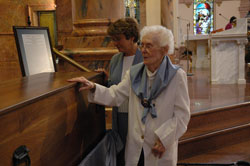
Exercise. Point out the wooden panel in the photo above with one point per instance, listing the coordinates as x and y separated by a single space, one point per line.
97 10
49 116
91 65
87 42
64 16
10 70
101 53
9 63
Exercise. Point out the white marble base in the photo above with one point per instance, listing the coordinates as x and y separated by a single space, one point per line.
224 52
228 55
201 58
227 62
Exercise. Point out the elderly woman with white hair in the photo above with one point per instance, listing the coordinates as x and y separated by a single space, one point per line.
159 105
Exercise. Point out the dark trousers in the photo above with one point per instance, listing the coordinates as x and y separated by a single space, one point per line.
120 158
120 123
141 160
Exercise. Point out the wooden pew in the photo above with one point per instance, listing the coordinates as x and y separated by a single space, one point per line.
51 117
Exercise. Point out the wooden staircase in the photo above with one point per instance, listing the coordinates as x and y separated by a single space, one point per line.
221 135
88 44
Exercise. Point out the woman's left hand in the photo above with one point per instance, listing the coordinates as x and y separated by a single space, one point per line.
158 149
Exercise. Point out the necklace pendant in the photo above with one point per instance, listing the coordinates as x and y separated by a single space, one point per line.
145 103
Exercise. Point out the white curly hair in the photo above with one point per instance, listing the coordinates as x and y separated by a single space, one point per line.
161 35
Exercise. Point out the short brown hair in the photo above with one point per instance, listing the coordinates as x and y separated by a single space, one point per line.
126 26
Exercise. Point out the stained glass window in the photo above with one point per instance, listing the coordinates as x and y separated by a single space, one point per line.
203 16
132 8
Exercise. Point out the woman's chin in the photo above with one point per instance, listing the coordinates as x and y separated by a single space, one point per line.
146 62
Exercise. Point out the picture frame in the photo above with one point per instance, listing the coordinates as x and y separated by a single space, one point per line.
34 50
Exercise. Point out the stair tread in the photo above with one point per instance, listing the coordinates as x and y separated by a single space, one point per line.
215 130
204 132
228 154
218 120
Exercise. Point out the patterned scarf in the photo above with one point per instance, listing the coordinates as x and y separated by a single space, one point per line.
138 76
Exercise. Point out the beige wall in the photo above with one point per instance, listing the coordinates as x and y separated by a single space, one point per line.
228 9
169 12
153 12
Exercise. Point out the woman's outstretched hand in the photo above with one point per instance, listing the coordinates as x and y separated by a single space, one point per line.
85 84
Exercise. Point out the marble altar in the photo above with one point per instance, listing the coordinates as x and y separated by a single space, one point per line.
228 55
222 52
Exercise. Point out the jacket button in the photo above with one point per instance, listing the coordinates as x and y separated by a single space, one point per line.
142 137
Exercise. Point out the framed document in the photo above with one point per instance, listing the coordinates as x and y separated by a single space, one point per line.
34 50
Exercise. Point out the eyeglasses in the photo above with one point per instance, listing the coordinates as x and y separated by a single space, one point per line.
146 46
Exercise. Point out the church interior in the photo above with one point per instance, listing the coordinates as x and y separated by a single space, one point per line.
58 127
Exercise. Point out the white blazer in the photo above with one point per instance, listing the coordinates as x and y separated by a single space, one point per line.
173 114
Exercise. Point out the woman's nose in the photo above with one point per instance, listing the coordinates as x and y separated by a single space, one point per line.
143 49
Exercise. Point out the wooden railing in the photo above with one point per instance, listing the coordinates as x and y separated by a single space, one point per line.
69 60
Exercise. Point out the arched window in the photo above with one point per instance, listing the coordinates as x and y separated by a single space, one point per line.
132 8
203 16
